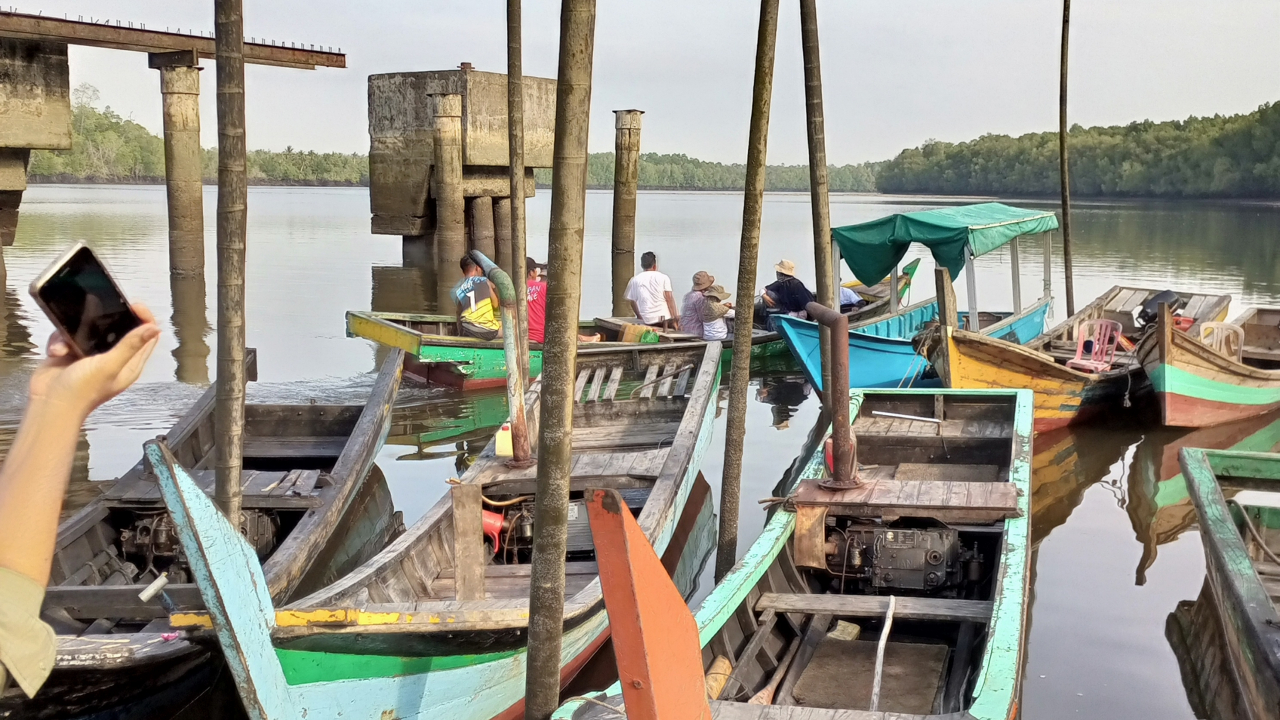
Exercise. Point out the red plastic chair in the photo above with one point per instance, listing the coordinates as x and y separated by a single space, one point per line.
1096 345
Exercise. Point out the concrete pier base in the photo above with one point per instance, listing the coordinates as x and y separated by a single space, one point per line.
13 181
450 206
502 234
480 217
183 161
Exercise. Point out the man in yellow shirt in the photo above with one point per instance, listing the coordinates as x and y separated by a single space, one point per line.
64 390
476 299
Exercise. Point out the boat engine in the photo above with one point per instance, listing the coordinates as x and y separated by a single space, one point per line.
512 531
154 537
1151 309
925 559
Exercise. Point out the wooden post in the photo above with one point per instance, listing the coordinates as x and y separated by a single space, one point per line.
480 217
233 199
515 145
948 319
451 230
893 291
748 260
818 186
183 159
1017 276
502 233
626 176
568 205
973 322
1048 270
468 542
1064 175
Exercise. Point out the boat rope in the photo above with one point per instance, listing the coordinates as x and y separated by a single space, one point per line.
659 379
1127 388
884 641
1254 532
911 370
594 701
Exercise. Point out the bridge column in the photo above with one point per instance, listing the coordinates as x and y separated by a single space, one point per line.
183 159
446 190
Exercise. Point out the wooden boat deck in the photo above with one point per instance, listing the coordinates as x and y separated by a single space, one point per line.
1261 327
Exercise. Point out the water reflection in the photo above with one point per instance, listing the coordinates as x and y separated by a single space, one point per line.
1194 631
191 328
15 332
1065 464
784 395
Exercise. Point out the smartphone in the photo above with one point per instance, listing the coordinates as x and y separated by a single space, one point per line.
84 302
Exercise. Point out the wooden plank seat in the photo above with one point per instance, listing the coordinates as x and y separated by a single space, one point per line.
946 501
639 464
875 606
261 489
512 581
294 447
883 426
89 602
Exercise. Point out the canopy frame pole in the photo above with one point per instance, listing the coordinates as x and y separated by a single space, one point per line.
1017 275
971 285
894 282
1048 269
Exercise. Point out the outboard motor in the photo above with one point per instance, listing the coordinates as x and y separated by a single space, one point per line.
1151 308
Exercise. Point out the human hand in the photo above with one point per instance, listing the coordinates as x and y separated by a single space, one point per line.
80 385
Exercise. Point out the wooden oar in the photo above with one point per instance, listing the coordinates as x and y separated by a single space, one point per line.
765 696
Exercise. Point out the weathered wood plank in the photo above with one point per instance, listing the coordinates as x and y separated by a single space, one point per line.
615 377
468 542
664 387
649 376
597 378
875 606
582 383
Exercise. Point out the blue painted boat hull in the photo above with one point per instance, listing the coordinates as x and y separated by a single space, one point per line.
880 353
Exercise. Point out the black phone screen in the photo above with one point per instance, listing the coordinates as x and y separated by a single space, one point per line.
83 299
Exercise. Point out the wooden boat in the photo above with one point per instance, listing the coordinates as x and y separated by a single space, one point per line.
303 468
952 650
393 638
881 353
1064 395
1240 541
1195 636
1158 505
1198 385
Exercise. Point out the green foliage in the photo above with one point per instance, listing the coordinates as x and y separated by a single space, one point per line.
681 172
1235 156
108 148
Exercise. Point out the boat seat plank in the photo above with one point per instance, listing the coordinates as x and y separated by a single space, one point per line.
668 379
90 602
682 382
622 436
1195 306
875 606
948 472
649 376
615 377
983 501
581 384
1119 299
258 488
293 447
1134 301
597 378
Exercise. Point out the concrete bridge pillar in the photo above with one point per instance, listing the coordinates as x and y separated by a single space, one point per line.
626 176
450 213
480 213
183 159
502 234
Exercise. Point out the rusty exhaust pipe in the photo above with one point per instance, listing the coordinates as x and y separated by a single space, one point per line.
841 452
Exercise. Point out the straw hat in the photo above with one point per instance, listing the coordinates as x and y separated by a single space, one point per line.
718 292
702 280
786 267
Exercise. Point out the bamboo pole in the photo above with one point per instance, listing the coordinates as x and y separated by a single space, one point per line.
818 184
1064 174
564 291
515 141
233 198
748 261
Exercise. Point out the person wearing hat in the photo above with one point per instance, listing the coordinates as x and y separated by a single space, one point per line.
694 302
714 313
787 294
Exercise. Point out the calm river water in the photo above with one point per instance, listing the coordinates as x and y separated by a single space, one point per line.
1116 550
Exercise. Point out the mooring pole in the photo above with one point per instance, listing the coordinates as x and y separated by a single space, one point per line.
1064 174
818 185
451 223
626 176
233 200
515 142
564 290
748 259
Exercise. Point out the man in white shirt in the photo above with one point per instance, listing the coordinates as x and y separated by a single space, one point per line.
650 295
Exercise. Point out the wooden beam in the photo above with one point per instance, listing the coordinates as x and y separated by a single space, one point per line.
89 602
139 39
871 606
468 542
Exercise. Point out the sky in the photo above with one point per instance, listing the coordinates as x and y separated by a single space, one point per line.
895 74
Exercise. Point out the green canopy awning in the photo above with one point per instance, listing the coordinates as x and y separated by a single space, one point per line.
872 249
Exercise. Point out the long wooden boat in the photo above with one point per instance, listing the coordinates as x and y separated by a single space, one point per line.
881 352
941 497
1240 541
1064 395
1198 386
393 638
303 467
1195 636
1158 505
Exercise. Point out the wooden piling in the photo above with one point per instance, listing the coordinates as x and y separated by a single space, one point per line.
233 199
748 259
480 222
515 141
568 204
626 176
818 184
502 234
1064 174
451 230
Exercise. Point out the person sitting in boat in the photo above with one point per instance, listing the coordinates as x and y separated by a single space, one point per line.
714 313
476 300
850 300
536 296
787 294
694 303
650 295
64 389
